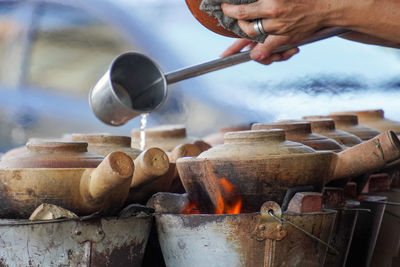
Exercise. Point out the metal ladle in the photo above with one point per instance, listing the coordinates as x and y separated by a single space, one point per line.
134 84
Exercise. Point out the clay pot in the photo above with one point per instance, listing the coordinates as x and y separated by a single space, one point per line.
263 165
326 127
349 123
169 182
40 153
13 152
373 118
151 165
206 20
103 144
298 131
63 174
166 137
218 138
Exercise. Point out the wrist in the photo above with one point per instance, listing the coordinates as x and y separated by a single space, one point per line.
343 13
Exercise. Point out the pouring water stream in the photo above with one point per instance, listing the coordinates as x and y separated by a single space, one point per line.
143 122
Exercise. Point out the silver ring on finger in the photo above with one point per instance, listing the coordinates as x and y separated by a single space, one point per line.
258 27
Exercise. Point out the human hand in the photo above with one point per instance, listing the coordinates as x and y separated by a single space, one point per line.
263 53
281 17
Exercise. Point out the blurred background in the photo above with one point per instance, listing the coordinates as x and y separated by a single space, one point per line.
52 52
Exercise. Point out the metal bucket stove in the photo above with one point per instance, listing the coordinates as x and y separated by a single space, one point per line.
266 238
68 242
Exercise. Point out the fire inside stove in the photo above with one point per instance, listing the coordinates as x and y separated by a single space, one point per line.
228 201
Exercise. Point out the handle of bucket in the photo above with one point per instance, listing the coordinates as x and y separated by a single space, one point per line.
282 220
94 215
391 203
225 62
359 209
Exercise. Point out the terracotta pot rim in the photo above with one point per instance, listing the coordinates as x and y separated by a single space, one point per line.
288 126
369 113
41 169
317 153
102 139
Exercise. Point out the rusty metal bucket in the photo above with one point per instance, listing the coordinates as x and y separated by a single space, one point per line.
249 239
366 231
343 230
387 249
66 242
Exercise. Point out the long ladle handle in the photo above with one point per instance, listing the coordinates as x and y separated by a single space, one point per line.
241 57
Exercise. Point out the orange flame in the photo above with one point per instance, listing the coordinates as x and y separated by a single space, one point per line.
227 201
231 204
190 208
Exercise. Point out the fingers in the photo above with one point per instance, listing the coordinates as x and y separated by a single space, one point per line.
288 54
263 53
236 47
248 27
279 56
243 12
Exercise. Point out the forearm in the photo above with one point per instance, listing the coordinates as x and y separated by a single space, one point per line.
368 39
378 18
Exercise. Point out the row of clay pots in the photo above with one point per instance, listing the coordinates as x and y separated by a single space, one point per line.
374 119
75 175
362 125
261 164
54 165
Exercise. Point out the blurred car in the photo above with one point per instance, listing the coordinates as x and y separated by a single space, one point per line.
52 52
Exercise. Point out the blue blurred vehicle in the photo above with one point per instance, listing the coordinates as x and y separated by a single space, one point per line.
53 51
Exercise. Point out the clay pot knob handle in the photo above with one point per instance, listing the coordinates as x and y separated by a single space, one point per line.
150 164
115 169
203 146
184 150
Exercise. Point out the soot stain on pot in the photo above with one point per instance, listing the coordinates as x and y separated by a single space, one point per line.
240 231
197 220
125 255
7 202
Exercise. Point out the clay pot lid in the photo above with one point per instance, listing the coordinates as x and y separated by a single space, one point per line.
341 120
162 131
251 136
349 123
375 119
322 125
289 126
300 131
166 137
103 139
42 153
217 138
206 20
362 114
327 128
344 119
36 144
255 144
